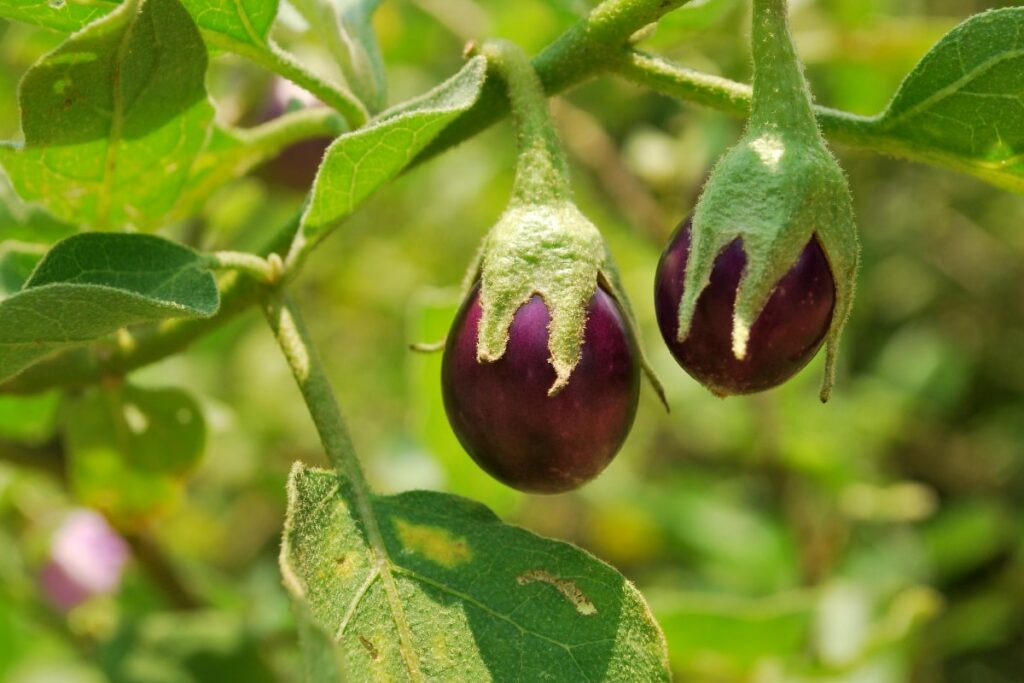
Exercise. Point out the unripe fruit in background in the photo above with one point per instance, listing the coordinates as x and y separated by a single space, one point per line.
295 167
785 336
502 413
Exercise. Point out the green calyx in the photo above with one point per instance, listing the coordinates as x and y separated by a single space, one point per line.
777 189
542 245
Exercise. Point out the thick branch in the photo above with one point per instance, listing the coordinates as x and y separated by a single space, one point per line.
589 48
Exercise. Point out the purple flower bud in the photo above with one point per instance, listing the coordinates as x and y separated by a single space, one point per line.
87 558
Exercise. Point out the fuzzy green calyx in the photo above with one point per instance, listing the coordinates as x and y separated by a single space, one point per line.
542 245
777 189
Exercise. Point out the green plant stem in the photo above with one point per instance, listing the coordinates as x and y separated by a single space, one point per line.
668 78
273 58
261 269
781 101
863 132
160 569
295 126
593 45
542 172
293 338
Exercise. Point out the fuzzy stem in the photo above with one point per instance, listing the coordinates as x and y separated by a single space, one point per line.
542 172
256 267
293 338
782 100
295 343
277 60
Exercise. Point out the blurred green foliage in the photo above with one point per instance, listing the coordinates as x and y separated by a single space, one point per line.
876 539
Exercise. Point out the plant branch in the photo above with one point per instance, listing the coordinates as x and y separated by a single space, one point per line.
159 569
47 458
668 78
266 270
274 58
293 338
592 46
863 132
295 126
295 343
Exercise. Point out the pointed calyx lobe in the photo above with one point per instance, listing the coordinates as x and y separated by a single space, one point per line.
779 195
544 347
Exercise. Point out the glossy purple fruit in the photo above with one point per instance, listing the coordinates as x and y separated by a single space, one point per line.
501 411
783 339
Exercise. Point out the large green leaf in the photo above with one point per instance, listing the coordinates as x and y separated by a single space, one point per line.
964 101
91 285
114 118
359 162
450 593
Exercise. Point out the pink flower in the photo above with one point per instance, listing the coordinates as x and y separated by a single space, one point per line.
87 558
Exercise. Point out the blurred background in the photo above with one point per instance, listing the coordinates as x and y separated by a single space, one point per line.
876 539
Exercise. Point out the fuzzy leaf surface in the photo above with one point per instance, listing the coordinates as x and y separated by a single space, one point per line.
359 162
965 100
114 118
457 595
90 285
247 21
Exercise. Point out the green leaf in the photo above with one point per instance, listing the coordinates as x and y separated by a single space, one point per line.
359 162
128 448
91 285
726 637
29 419
450 593
231 153
114 118
167 432
24 223
17 260
247 21
366 73
321 662
345 27
964 102
61 15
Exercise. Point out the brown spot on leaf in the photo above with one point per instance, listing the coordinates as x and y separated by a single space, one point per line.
566 587
370 648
